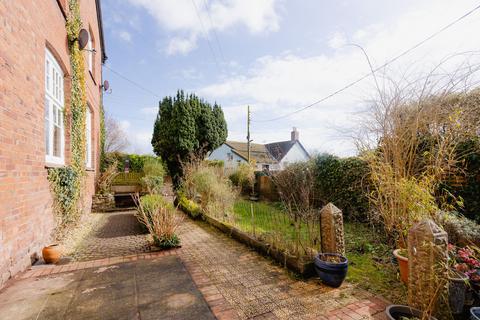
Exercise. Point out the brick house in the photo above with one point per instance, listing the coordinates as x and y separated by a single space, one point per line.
35 81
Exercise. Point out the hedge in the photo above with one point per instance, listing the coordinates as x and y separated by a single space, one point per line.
344 182
136 161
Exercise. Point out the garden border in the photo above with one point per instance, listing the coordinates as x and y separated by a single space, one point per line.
297 265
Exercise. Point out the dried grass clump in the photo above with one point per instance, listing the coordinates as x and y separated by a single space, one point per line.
417 128
210 188
105 178
160 219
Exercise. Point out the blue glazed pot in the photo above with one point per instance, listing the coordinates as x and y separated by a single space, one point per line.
331 273
475 313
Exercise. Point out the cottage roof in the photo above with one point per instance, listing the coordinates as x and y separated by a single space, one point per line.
279 149
258 152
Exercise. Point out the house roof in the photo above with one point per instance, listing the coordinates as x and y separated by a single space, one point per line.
258 152
279 149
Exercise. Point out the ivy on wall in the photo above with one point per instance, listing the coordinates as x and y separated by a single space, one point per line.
67 183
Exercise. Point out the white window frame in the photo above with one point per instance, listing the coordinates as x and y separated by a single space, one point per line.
54 108
90 53
88 138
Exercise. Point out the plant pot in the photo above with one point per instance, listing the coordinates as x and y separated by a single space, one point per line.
51 253
457 287
403 264
397 312
475 313
331 273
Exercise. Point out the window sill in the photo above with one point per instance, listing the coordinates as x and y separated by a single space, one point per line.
49 165
90 169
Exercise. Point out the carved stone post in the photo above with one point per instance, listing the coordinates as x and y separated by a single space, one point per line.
332 235
427 264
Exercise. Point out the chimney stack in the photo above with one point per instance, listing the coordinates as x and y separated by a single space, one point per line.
295 135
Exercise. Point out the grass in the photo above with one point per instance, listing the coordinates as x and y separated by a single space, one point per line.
370 259
370 263
269 222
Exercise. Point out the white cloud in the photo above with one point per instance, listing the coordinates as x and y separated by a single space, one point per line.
337 40
124 125
181 45
190 20
125 36
275 85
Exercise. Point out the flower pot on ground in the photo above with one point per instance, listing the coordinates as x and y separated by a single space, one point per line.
401 312
475 313
457 288
331 268
51 253
402 258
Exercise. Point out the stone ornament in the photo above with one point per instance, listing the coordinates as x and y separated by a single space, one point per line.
332 233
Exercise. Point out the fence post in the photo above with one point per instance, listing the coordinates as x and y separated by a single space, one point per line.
331 229
427 264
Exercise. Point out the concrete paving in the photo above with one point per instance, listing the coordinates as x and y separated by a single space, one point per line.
143 289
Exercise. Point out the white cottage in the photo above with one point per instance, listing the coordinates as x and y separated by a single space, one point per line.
271 156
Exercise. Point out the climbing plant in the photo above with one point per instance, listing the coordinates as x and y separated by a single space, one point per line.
66 183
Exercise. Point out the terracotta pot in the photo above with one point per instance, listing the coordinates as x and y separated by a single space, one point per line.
51 254
403 264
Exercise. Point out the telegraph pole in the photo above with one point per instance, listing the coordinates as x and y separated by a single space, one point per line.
248 134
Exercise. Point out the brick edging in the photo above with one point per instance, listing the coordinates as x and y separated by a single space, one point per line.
219 306
43 270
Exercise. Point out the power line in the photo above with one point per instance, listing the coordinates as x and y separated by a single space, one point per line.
133 82
351 84
206 35
214 32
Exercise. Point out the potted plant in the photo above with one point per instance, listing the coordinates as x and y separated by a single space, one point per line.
51 253
402 258
465 261
401 312
475 313
331 268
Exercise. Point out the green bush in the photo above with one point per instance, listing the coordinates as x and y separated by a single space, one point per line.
154 172
243 177
188 206
137 162
344 182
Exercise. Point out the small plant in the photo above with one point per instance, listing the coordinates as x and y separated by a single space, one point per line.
105 179
154 172
159 217
466 260
243 177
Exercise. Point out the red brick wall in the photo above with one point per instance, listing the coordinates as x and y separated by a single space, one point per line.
26 216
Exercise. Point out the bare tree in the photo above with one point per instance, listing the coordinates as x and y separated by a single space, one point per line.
115 137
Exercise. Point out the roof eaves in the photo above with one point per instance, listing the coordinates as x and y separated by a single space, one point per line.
100 28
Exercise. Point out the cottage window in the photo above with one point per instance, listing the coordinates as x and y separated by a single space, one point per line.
90 52
54 102
88 138
229 156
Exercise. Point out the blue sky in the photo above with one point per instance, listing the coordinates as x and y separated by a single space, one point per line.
276 56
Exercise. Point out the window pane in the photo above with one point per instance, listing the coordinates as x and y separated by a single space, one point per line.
57 141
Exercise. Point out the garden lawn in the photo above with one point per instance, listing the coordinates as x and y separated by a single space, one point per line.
370 259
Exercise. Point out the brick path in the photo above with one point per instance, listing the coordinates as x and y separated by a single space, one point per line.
117 234
245 285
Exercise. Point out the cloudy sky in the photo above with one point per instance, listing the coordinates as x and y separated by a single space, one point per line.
275 55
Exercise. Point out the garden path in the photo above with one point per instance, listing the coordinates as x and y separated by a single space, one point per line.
115 234
256 288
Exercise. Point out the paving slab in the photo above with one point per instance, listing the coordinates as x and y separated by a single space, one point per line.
159 288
